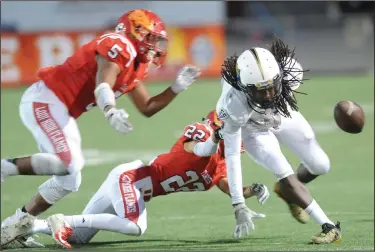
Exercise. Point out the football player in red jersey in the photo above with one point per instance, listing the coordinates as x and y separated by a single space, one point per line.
99 72
196 162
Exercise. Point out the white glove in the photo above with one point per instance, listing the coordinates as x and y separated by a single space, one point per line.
185 77
118 119
261 191
244 220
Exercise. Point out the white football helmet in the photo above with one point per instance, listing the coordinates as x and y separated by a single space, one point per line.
259 76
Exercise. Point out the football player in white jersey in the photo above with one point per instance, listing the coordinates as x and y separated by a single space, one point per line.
256 95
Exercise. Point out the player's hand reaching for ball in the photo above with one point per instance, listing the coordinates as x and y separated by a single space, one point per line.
260 191
244 222
118 119
185 77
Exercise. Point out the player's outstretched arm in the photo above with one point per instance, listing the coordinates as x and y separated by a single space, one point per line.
233 144
232 150
105 98
206 148
150 105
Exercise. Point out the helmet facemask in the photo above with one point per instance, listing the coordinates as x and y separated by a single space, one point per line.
265 94
154 48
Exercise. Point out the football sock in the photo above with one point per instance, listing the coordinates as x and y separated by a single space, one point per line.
108 222
317 213
41 226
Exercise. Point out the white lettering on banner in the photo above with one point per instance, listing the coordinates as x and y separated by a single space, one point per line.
128 195
9 70
51 129
54 50
85 38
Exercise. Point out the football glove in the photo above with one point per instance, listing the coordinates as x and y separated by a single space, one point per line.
219 133
244 222
185 77
261 191
118 119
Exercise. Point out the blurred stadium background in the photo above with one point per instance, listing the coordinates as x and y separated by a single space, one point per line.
335 40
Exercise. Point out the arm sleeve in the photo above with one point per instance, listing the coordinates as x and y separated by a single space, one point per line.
206 148
232 142
116 48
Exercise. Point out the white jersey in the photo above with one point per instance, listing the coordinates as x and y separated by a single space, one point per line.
234 108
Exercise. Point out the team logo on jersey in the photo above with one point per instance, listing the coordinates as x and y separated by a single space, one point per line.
222 114
206 176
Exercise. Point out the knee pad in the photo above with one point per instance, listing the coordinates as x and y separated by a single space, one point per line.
319 165
70 182
52 192
318 162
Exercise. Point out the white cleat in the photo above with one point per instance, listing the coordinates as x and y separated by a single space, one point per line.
16 226
61 230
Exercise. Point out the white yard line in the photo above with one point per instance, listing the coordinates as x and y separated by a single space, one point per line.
96 157
203 216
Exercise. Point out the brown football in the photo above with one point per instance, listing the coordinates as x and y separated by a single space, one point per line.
349 116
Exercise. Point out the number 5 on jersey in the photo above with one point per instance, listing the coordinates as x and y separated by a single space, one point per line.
114 51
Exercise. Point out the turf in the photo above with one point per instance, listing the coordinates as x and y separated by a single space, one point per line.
204 220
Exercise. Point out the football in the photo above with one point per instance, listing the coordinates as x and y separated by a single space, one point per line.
349 116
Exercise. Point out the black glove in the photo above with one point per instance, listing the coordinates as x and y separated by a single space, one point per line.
218 133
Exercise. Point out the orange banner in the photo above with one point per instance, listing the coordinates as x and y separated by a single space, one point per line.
22 55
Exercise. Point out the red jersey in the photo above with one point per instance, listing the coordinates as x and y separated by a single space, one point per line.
74 82
180 171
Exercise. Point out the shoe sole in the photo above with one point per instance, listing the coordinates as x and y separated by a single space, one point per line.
337 241
24 222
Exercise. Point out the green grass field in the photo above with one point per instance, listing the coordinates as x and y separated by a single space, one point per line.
204 220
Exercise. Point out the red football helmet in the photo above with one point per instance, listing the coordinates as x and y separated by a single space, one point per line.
213 121
147 32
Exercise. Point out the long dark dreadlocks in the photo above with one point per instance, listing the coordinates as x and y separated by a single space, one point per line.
289 73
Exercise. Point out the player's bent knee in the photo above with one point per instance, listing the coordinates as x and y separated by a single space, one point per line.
141 230
52 192
319 165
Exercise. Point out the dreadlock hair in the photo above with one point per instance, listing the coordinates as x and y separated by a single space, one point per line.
283 56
